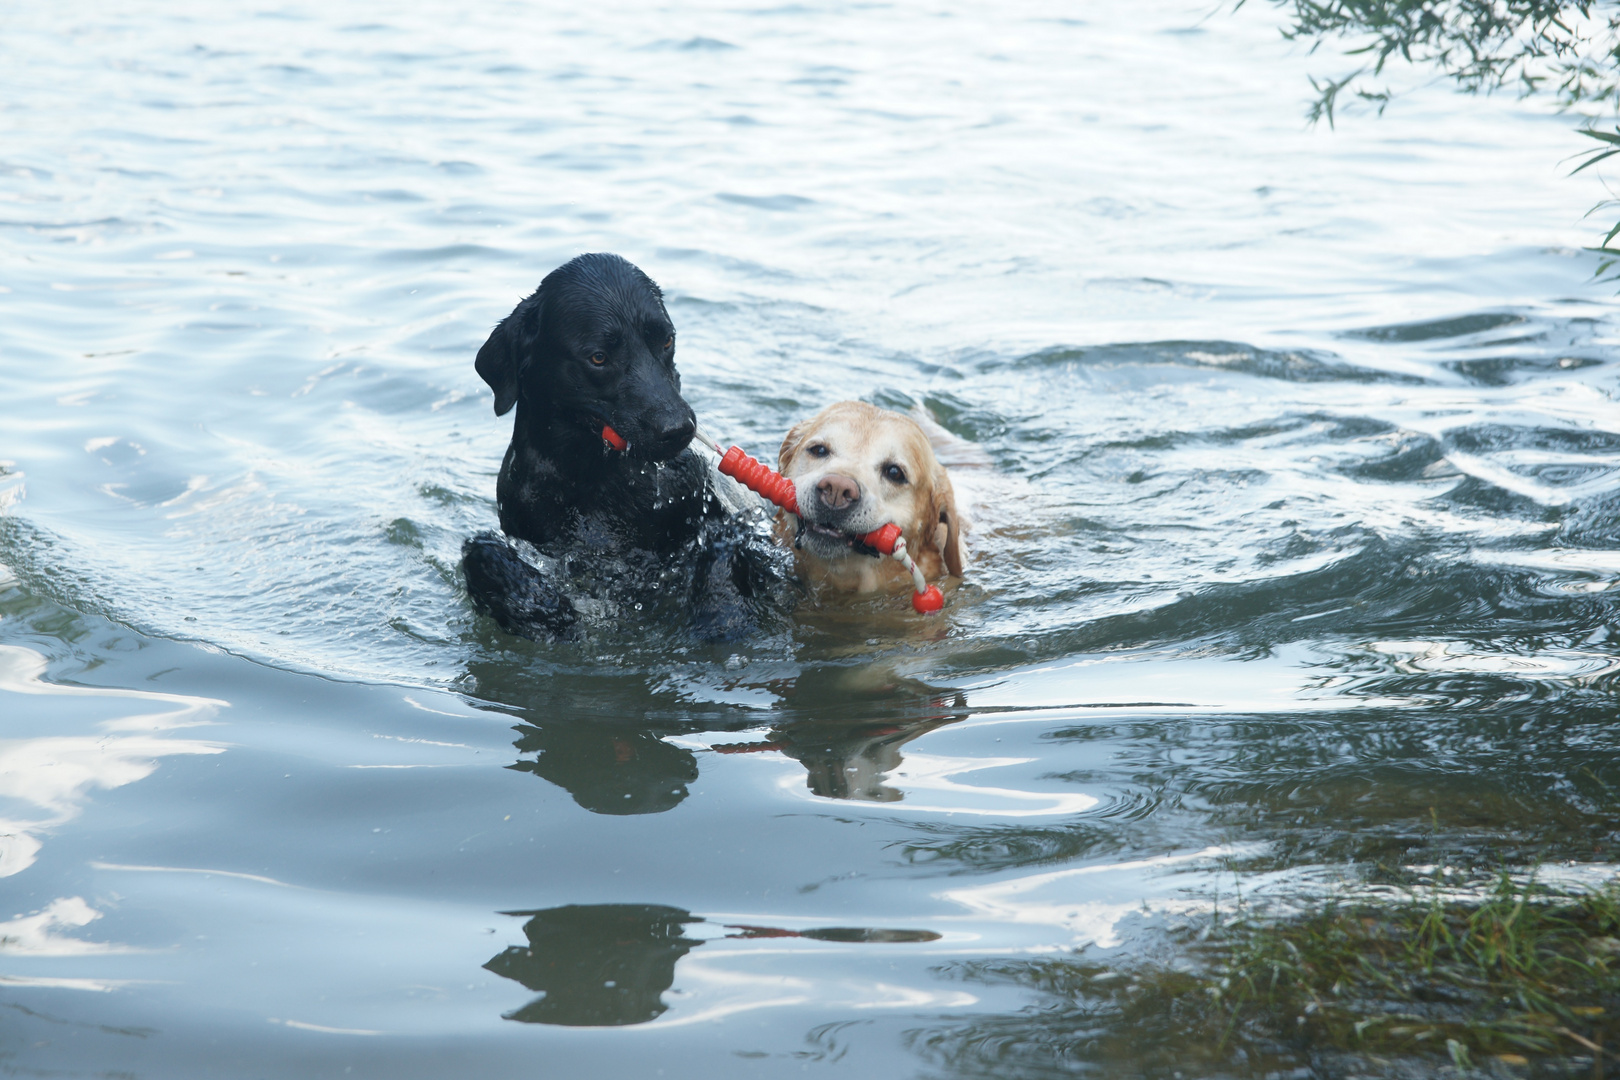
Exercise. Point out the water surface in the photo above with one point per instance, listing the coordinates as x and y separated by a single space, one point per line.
1295 565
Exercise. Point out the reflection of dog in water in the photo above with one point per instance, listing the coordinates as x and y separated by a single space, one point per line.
608 965
628 769
625 769
609 768
622 768
844 760
850 758
599 965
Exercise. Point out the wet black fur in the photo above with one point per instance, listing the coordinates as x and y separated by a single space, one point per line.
594 345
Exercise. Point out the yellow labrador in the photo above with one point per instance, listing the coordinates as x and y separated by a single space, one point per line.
855 468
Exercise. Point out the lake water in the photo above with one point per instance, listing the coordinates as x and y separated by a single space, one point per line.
1300 565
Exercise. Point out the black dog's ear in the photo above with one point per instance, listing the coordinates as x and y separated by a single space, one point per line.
500 361
504 355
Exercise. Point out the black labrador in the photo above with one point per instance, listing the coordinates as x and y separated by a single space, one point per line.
642 528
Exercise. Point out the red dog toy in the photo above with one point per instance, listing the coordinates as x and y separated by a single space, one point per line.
764 480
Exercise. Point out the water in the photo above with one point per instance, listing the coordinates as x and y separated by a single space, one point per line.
1296 565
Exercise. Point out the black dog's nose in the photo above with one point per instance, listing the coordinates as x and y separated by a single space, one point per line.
679 433
838 492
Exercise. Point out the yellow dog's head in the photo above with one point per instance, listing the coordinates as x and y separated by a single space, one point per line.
856 468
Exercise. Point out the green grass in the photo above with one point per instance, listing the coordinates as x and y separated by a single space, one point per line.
1523 977
1512 980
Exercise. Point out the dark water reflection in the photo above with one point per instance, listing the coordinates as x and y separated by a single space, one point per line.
607 965
1493 774
609 768
842 760
1508 775
599 966
607 740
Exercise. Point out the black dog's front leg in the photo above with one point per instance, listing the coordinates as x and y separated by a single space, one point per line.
514 593
720 611
732 586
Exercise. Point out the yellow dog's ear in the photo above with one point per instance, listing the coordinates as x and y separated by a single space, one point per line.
948 530
791 443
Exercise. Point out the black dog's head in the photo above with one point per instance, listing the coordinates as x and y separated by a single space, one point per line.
592 346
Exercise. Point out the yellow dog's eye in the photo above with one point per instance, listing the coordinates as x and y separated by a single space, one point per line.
818 451
894 474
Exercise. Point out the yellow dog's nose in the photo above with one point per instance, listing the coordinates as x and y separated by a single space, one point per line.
838 492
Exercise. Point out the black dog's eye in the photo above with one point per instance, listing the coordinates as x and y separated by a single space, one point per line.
818 451
598 358
894 474
669 343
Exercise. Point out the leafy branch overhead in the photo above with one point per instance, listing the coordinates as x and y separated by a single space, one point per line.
1568 50
1609 145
